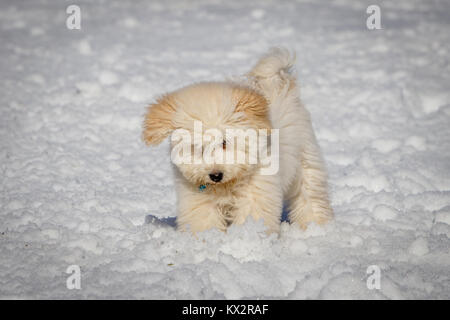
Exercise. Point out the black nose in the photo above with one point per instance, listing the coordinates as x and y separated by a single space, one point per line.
216 176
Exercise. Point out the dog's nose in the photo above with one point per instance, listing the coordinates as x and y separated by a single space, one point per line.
216 176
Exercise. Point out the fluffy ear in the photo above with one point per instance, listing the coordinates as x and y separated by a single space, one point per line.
158 120
254 105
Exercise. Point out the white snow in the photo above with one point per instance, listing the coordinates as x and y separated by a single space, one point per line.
78 186
383 212
419 247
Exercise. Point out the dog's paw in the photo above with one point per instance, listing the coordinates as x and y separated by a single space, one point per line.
305 218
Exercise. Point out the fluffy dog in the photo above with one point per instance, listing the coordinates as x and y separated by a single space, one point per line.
215 195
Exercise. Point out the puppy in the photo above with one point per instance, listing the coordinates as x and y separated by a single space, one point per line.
216 194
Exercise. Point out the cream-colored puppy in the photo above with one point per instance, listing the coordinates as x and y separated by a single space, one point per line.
217 194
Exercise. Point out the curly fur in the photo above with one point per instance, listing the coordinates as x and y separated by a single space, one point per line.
267 99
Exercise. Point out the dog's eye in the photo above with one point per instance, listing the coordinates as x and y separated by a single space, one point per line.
224 144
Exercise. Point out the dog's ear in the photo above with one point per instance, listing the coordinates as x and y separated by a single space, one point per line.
253 104
158 122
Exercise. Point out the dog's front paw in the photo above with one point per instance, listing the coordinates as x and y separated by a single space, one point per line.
305 217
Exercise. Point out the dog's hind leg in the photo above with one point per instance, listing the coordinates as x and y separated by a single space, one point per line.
303 175
308 195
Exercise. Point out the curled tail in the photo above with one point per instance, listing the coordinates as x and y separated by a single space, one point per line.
272 74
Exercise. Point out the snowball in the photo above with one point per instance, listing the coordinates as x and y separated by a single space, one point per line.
384 213
108 78
419 247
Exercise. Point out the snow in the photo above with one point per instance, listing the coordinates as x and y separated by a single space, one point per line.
419 247
78 186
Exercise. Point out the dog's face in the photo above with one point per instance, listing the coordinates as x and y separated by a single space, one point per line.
207 121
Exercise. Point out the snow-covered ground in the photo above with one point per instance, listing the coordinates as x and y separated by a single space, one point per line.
77 183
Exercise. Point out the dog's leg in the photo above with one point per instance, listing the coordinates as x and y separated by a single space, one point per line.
262 198
198 212
308 195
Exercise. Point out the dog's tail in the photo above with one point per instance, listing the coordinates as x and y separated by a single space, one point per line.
272 74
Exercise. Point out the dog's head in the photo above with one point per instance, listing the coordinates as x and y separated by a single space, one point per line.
207 122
